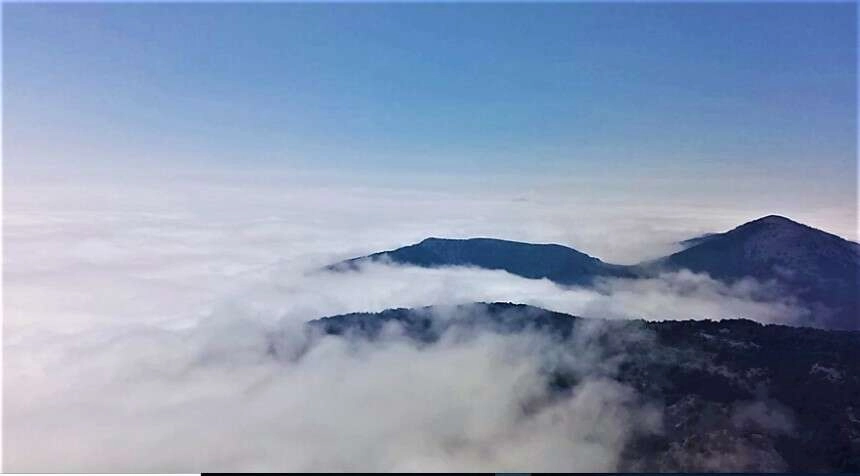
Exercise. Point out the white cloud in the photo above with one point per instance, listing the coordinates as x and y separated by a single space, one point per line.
136 319
211 397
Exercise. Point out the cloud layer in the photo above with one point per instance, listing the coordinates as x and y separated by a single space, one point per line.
137 320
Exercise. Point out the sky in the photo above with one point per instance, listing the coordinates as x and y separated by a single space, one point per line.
750 95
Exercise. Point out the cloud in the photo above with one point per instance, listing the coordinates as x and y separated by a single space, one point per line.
170 250
676 295
688 295
212 397
138 320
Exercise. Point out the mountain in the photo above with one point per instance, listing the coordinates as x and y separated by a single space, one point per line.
735 395
821 270
557 263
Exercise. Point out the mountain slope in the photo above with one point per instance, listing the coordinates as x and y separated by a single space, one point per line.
735 395
698 240
557 263
820 269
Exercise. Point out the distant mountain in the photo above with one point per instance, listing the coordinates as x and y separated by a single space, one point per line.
736 395
820 269
557 263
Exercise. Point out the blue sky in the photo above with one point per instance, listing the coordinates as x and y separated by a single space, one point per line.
674 91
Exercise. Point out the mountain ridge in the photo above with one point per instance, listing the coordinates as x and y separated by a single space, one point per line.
820 268
555 262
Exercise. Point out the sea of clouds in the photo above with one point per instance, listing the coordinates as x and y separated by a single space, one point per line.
139 315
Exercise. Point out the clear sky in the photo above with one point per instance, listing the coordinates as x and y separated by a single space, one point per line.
686 92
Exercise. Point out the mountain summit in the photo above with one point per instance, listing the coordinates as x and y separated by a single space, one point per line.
756 248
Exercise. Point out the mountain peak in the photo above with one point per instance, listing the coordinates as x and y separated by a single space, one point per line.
775 220
776 230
